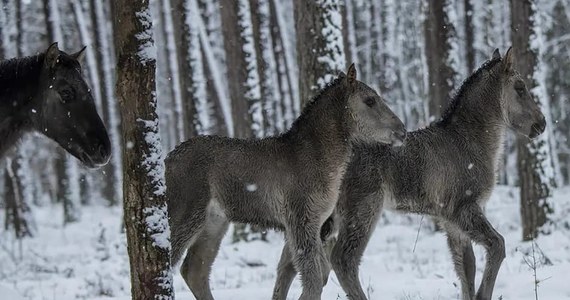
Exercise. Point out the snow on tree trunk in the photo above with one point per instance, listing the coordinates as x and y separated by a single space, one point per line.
198 89
251 82
350 33
271 97
72 194
320 46
114 178
441 49
18 213
173 70
145 213
284 111
536 172
290 62
89 55
242 74
557 77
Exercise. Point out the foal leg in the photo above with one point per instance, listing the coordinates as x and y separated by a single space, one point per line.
463 259
308 255
285 274
471 220
353 236
286 269
197 265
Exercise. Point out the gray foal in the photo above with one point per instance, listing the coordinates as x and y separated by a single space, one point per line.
289 182
447 170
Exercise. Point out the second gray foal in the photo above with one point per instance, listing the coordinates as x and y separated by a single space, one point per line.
447 171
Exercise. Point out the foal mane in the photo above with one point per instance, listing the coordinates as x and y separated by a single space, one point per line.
455 99
310 106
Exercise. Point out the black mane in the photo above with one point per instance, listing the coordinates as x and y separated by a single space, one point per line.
23 68
460 93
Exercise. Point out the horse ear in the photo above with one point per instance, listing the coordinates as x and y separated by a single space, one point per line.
496 54
52 55
341 74
509 60
351 75
79 55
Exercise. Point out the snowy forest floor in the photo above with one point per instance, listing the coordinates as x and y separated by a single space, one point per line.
88 260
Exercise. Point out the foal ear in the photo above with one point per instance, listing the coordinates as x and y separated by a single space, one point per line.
509 60
79 55
351 75
496 54
52 55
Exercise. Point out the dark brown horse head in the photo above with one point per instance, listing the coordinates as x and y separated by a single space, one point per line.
65 110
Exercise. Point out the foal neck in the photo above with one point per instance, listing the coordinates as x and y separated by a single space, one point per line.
19 78
323 126
475 118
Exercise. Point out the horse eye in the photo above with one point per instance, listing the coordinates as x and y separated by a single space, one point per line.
519 90
369 101
66 95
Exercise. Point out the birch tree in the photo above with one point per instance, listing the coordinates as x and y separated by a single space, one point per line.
145 213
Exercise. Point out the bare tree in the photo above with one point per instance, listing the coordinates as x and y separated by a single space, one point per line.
317 24
439 32
145 214
534 157
243 75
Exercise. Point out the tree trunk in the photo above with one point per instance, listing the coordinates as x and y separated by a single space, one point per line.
18 214
145 214
113 179
320 46
469 35
241 59
438 34
533 156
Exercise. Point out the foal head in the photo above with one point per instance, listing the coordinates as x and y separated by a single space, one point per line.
65 111
518 108
372 120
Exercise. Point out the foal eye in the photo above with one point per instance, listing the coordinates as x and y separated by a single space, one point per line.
66 95
369 101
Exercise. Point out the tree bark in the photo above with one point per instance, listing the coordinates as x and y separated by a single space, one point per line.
469 36
320 52
145 214
242 68
438 30
17 208
534 184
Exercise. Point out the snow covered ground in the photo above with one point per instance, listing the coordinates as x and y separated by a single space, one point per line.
88 260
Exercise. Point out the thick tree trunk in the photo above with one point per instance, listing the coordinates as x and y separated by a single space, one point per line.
242 75
438 30
320 46
145 214
534 182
